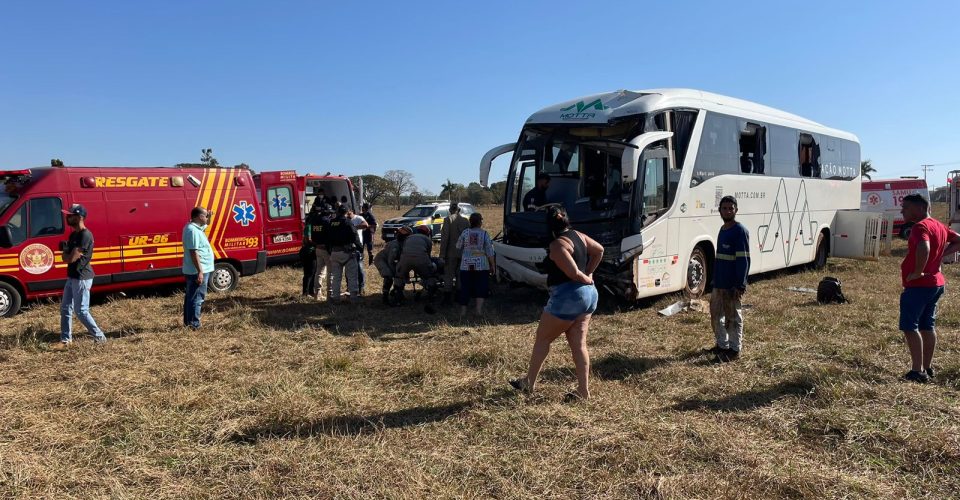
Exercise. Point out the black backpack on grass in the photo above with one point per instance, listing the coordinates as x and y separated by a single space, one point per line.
829 292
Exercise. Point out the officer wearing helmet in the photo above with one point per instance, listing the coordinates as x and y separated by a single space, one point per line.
415 256
386 260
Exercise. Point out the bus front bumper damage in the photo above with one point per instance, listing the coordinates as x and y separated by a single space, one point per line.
520 265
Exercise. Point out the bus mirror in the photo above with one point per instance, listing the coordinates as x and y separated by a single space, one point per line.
6 237
630 161
487 161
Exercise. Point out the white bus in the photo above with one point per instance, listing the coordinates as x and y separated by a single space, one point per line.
642 173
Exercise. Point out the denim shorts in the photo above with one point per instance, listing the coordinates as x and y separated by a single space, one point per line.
918 308
571 300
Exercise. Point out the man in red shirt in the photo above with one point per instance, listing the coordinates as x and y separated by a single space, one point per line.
923 283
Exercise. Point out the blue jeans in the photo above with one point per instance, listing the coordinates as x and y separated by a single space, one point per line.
193 299
76 297
361 272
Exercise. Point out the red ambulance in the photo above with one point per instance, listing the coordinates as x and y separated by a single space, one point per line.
886 196
137 217
285 199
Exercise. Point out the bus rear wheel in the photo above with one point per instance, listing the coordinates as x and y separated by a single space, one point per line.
223 278
697 273
820 259
9 300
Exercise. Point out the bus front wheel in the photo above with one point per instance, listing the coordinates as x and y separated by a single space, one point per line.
697 273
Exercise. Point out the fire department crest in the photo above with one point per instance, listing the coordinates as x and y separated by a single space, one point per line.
36 258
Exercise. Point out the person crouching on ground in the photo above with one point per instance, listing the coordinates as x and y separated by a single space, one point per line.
923 283
570 263
415 256
386 261
477 264
729 282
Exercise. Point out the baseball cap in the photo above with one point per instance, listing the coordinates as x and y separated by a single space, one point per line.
76 209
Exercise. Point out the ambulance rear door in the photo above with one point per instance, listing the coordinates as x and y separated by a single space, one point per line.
283 224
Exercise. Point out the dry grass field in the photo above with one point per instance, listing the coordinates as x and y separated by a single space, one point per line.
283 397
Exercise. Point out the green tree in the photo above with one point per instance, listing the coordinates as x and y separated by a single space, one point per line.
866 169
374 187
498 191
452 191
416 197
207 158
477 195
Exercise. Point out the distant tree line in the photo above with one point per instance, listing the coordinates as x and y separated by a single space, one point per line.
398 188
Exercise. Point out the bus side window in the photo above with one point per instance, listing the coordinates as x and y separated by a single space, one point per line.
753 148
809 152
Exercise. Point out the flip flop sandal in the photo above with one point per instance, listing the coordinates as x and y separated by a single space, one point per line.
521 385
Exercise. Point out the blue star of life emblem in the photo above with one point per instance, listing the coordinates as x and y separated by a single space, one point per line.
280 202
244 213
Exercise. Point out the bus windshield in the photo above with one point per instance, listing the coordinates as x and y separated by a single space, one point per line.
584 169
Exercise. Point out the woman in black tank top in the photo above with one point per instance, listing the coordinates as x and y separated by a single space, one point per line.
555 276
571 260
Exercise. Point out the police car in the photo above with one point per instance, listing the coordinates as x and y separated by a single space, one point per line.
425 213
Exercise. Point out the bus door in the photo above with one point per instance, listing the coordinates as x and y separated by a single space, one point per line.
659 265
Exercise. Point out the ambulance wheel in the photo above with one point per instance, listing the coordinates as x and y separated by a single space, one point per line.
820 259
9 300
697 273
223 278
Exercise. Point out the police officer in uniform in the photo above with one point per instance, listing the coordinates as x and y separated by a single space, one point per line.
319 222
343 243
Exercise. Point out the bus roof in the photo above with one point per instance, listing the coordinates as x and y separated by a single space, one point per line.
603 107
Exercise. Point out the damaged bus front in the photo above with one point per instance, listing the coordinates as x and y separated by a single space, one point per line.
606 165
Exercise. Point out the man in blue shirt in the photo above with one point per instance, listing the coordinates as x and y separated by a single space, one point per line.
197 265
729 282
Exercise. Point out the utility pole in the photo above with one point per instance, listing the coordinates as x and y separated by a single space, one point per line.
926 168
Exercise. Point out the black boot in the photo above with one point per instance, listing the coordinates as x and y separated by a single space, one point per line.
387 285
398 298
447 299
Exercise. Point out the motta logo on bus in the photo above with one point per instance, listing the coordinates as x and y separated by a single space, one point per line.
581 106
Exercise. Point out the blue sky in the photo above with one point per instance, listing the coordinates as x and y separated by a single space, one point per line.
363 87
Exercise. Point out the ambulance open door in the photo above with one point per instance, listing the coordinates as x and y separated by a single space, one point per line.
861 235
